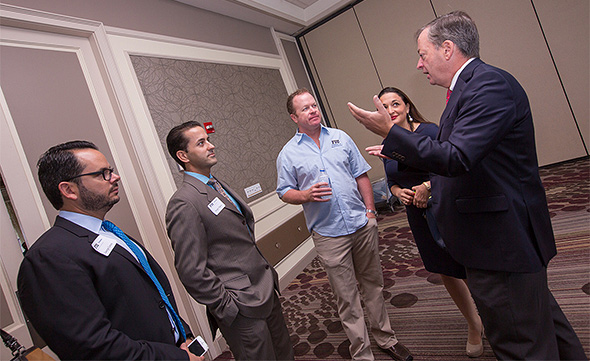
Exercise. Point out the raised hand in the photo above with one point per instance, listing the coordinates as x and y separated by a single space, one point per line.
378 122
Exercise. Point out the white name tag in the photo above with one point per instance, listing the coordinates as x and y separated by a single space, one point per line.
216 206
103 245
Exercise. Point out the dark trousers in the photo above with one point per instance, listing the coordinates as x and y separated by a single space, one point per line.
522 320
259 338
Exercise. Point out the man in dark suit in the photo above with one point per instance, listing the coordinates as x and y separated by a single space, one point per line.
212 233
487 195
83 288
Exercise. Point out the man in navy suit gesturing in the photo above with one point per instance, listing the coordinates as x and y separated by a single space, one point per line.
487 196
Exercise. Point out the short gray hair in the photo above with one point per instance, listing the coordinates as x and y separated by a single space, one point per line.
457 27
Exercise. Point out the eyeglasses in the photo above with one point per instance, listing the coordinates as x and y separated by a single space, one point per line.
106 173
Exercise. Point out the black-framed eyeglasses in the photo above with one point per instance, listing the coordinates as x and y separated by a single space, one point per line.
106 173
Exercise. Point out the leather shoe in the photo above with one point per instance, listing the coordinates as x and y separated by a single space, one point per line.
399 352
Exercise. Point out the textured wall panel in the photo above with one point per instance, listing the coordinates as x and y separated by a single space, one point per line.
246 105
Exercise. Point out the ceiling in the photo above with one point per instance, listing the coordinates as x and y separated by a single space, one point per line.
286 16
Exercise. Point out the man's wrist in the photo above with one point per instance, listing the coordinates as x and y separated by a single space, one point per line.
372 211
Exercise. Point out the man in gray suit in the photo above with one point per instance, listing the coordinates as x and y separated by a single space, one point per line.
212 233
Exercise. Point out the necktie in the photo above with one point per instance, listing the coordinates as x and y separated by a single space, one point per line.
111 227
215 183
449 92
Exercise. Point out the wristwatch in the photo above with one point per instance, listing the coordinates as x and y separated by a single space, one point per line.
372 211
426 185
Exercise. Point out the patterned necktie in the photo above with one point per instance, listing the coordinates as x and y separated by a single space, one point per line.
449 92
111 227
215 183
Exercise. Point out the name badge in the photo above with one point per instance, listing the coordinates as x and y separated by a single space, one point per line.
336 143
216 206
103 245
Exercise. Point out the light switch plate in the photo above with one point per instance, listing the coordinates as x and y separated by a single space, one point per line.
253 190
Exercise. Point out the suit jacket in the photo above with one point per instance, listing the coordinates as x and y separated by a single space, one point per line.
89 306
488 199
216 255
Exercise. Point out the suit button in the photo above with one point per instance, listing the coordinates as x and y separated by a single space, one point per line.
244 222
161 304
267 266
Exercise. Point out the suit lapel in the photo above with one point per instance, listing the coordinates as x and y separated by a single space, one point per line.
123 252
464 77
211 193
89 236
246 212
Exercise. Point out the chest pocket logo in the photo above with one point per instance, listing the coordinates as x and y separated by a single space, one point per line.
336 143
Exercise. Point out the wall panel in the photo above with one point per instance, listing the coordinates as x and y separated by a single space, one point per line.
292 54
50 103
244 103
566 27
511 39
389 27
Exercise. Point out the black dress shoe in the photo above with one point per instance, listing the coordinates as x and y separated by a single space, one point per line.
399 352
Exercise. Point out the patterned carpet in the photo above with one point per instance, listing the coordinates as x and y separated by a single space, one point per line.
422 313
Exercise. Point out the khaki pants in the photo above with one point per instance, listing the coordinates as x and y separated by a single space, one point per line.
348 260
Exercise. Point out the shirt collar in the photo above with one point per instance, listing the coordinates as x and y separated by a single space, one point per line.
92 224
199 176
454 81
299 135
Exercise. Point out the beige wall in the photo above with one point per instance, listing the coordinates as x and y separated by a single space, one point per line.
50 103
566 26
296 65
165 17
372 45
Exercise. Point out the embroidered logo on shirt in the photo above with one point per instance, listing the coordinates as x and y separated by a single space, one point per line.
336 143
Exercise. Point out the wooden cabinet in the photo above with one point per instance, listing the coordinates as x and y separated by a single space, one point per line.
277 244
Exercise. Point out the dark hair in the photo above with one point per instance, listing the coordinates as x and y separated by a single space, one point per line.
177 141
457 27
414 113
297 92
58 164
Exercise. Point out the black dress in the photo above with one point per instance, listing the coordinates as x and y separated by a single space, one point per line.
435 258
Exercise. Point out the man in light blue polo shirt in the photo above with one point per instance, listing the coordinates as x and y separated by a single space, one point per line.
341 217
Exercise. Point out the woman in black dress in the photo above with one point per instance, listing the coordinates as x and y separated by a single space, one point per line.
412 187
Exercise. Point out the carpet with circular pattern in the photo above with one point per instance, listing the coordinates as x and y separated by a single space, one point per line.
422 313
